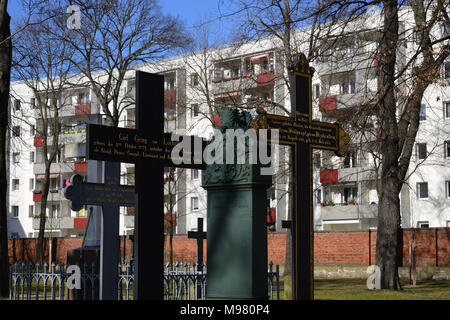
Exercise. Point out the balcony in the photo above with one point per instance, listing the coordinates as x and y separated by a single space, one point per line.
245 82
61 223
352 61
349 212
170 96
265 79
67 136
53 195
70 110
61 167
340 105
356 174
328 176
82 109
37 196
38 141
81 166
345 175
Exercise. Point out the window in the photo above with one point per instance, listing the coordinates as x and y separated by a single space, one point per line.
55 211
54 185
33 103
350 159
31 184
194 110
423 224
447 110
447 149
316 91
422 190
423 112
16 157
318 196
194 174
350 194
32 130
31 156
31 211
447 70
194 79
447 189
82 97
421 151
15 184
16 131
16 105
194 203
15 211
446 31
348 86
317 160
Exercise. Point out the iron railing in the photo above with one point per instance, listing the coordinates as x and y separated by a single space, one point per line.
182 281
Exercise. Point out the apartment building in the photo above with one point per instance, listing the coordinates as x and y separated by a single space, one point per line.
247 76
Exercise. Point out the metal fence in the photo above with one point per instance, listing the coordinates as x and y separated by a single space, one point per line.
182 281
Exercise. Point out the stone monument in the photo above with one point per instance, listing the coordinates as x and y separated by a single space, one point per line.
236 222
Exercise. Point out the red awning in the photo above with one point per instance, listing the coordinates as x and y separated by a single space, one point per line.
256 58
52 175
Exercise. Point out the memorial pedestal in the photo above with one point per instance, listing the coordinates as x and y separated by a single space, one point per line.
237 230
80 257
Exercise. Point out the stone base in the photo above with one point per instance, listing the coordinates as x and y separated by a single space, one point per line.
80 256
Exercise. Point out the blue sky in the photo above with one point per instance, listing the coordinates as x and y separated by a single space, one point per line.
190 12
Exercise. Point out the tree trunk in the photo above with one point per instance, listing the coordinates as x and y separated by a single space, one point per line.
388 233
5 68
42 217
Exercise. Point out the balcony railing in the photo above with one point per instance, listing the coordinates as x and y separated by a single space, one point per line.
82 109
70 110
61 223
349 212
81 166
329 175
265 79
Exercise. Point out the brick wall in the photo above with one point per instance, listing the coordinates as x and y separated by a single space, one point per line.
432 247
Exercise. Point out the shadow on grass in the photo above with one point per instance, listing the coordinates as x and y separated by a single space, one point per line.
356 289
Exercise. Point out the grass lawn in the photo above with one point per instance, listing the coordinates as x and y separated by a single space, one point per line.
356 289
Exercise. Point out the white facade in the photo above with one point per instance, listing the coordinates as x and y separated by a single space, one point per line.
237 75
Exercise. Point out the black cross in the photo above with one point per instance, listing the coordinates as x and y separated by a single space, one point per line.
302 134
200 235
150 149
110 195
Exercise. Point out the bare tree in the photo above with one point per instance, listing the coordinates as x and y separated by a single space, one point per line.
113 39
42 63
5 68
320 30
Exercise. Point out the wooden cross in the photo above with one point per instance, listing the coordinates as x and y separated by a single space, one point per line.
200 235
110 195
150 149
302 134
